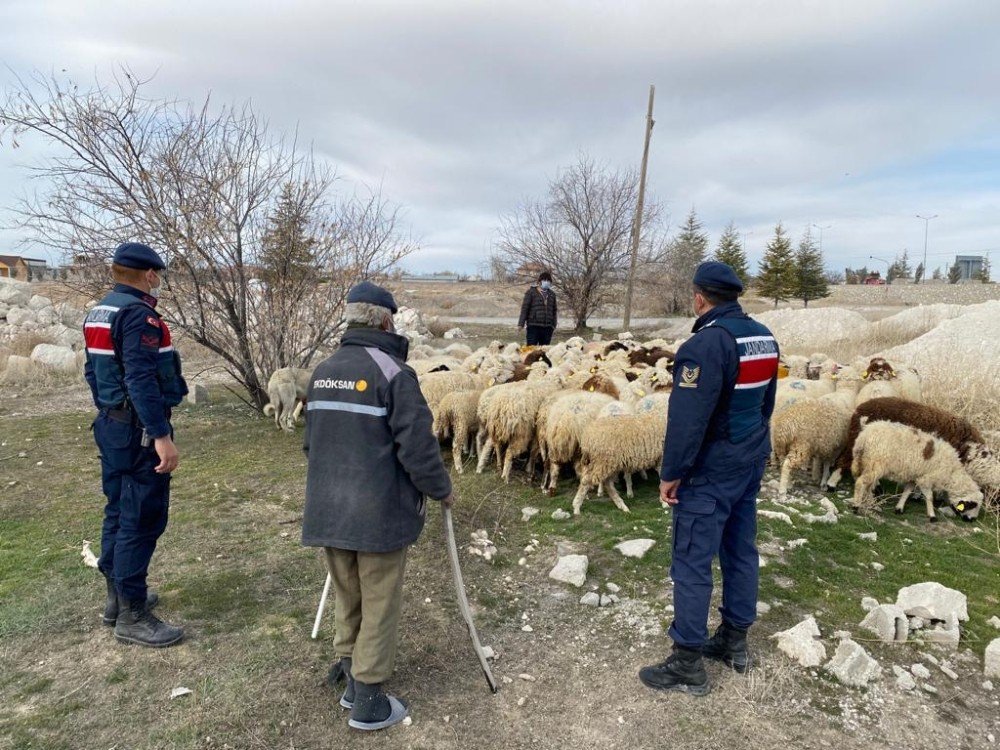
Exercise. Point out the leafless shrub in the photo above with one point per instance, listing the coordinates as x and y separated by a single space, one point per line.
205 186
438 326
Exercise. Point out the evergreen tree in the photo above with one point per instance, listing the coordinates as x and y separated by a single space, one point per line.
938 274
287 254
918 275
984 272
685 252
954 273
731 252
810 277
776 279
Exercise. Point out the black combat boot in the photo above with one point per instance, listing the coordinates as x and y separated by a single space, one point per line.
728 645
111 605
341 670
373 709
136 624
683 671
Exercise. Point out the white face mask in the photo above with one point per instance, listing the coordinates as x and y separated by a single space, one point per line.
546 285
154 291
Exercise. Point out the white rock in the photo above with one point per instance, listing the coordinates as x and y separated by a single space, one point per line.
19 369
56 358
947 634
177 692
763 608
526 677
878 566
870 536
795 543
988 686
591 599
852 665
38 302
800 644
489 653
938 600
527 629
614 588
560 515
841 635
606 600
571 569
868 603
454 333
888 622
920 671
904 681
991 659
994 621
776 515
929 689
408 721
948 671
636 548
21 316
14 293
528 513
613 598
916 623
522 700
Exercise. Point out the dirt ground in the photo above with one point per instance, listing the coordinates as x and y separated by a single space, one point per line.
231 570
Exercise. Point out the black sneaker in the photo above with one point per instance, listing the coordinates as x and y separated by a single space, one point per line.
136 624
729 645
683 671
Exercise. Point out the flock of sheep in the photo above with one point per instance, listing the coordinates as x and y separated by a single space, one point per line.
600 409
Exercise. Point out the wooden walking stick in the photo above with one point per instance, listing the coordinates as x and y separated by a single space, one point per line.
322 605
463 600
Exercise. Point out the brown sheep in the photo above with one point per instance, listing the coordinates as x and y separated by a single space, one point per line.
537 355
878 369
945 425
601 384
650 356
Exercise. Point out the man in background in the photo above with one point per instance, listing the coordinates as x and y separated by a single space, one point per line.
539 312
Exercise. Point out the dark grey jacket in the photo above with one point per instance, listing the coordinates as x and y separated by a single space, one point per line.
372 454
539 308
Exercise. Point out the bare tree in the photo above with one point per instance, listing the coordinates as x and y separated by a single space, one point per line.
202 185
580 232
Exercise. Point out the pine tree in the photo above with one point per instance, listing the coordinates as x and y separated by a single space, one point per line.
731 252
685 252
287 249
984 272
810 277
918 275
938 274
954 273
776 279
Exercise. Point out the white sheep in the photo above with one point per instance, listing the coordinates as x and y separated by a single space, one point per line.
887 450
610 446
457 415
809 433
509 420
560 427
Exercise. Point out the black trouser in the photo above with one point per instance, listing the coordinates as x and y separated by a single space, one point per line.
539 335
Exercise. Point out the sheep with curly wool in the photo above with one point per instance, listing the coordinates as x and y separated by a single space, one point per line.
610 446
914 458
566 418
509 420
808 433
457 414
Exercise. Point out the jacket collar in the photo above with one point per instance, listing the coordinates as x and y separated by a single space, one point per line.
392 344
149 299
726 310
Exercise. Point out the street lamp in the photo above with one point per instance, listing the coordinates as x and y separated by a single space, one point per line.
927 221
888 267
828 226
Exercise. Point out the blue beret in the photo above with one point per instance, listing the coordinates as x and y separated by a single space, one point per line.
137 255
717 275
373 294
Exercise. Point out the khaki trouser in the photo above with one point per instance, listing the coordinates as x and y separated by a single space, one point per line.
368 587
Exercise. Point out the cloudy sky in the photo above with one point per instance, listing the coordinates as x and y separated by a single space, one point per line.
855 115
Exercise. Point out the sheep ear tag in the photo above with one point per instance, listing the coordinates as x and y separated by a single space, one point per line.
689 376
960 507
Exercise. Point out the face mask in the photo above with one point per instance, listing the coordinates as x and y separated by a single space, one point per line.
154 291
546 285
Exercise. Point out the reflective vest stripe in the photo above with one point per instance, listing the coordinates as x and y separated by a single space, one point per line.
373 411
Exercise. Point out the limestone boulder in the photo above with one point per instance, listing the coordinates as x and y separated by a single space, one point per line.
21 316
38 302
14 293
852 665
888 622
934 601
800 643
571 569
54 358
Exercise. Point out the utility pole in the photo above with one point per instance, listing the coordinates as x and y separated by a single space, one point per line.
637 222
828 226
927 221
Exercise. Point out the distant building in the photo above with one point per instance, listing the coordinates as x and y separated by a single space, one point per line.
971 266
444 276
22 268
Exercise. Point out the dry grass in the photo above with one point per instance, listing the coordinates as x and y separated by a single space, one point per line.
438 326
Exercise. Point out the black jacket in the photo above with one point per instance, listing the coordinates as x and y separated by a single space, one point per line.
539 308
372 454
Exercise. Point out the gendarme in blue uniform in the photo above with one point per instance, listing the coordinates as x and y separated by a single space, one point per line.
717 442
135 378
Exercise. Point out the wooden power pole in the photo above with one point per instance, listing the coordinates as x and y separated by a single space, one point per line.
637 222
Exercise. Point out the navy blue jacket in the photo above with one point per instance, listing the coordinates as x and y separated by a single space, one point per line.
725 380
373 457
131 360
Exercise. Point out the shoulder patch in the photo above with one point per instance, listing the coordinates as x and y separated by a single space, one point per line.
689 376
152 320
